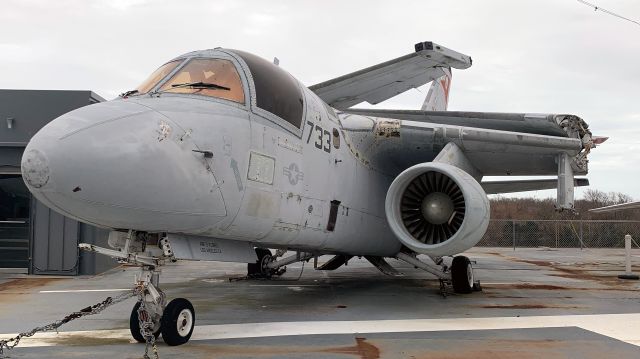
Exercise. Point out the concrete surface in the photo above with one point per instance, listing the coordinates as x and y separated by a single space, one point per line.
565 303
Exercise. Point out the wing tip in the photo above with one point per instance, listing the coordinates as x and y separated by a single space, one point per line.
425 45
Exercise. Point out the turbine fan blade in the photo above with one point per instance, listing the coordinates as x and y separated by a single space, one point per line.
411 208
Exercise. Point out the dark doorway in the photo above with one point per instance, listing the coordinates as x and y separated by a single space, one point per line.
14 222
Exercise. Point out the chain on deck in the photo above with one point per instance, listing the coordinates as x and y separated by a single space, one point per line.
146 324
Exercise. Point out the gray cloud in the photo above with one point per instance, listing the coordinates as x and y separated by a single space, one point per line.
529 56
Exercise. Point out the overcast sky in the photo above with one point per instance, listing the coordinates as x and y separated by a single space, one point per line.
551 56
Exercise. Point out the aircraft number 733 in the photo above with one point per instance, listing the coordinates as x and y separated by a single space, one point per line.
221 155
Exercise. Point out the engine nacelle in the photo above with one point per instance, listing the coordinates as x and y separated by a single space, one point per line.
437 209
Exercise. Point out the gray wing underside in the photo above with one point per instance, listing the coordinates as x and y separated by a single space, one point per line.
511 186
388 79
394 145
496 152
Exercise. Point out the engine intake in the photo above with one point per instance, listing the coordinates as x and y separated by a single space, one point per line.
437 209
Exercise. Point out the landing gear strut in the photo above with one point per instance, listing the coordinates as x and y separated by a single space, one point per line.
151 315
259 269
459 276
269 265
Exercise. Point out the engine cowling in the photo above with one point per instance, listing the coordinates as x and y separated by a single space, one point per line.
437 209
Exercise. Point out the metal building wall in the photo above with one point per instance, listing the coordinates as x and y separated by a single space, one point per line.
53 239
54 242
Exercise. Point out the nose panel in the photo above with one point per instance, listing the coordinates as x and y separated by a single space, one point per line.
123 167
36 168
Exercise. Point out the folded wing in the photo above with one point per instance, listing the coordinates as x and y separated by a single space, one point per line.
394 145
388 79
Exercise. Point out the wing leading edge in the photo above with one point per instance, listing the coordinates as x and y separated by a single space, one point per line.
385 80
616 207
540 124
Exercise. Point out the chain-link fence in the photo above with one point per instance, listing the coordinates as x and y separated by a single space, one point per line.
558 233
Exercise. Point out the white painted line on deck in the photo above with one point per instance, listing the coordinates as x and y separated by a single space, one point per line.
84 290
289 285
624 327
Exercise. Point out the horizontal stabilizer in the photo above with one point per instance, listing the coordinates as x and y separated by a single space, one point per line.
616 207
383 81
494 187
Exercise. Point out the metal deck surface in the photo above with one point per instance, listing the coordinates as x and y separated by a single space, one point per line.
565 303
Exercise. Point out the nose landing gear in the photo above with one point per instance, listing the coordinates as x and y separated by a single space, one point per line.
151 315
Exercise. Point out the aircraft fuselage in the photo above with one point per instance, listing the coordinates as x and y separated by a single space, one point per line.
194 164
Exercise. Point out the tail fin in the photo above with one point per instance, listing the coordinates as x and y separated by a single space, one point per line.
438 95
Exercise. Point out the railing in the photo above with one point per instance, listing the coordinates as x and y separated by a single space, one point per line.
558 233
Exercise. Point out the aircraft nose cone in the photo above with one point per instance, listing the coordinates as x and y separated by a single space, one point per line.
123 165
35 168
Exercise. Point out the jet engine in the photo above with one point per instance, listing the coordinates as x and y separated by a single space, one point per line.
437 209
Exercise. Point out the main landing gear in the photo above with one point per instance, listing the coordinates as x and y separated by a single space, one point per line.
151 315
459 276
268 265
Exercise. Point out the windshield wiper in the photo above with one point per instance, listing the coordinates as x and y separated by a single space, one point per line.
128 93
201 85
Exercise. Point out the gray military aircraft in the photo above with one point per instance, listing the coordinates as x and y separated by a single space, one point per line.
220 155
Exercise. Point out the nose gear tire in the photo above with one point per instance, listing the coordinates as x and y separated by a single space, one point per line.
134 325
178 321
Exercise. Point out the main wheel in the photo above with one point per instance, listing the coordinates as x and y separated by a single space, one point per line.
255 269
462 275
134 325
178 321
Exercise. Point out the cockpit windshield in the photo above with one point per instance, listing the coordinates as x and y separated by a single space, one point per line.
156 76
209 77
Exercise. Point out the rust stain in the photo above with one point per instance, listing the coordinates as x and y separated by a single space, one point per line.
525 306
15 290
362 350
84 340
527 286
573 273
24 285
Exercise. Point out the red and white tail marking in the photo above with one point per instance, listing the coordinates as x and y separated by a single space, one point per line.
438 96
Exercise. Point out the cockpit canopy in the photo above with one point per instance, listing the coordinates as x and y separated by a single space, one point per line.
198 76
200 73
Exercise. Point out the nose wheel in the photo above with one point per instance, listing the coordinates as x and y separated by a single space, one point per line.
150 318
177 322
138 317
